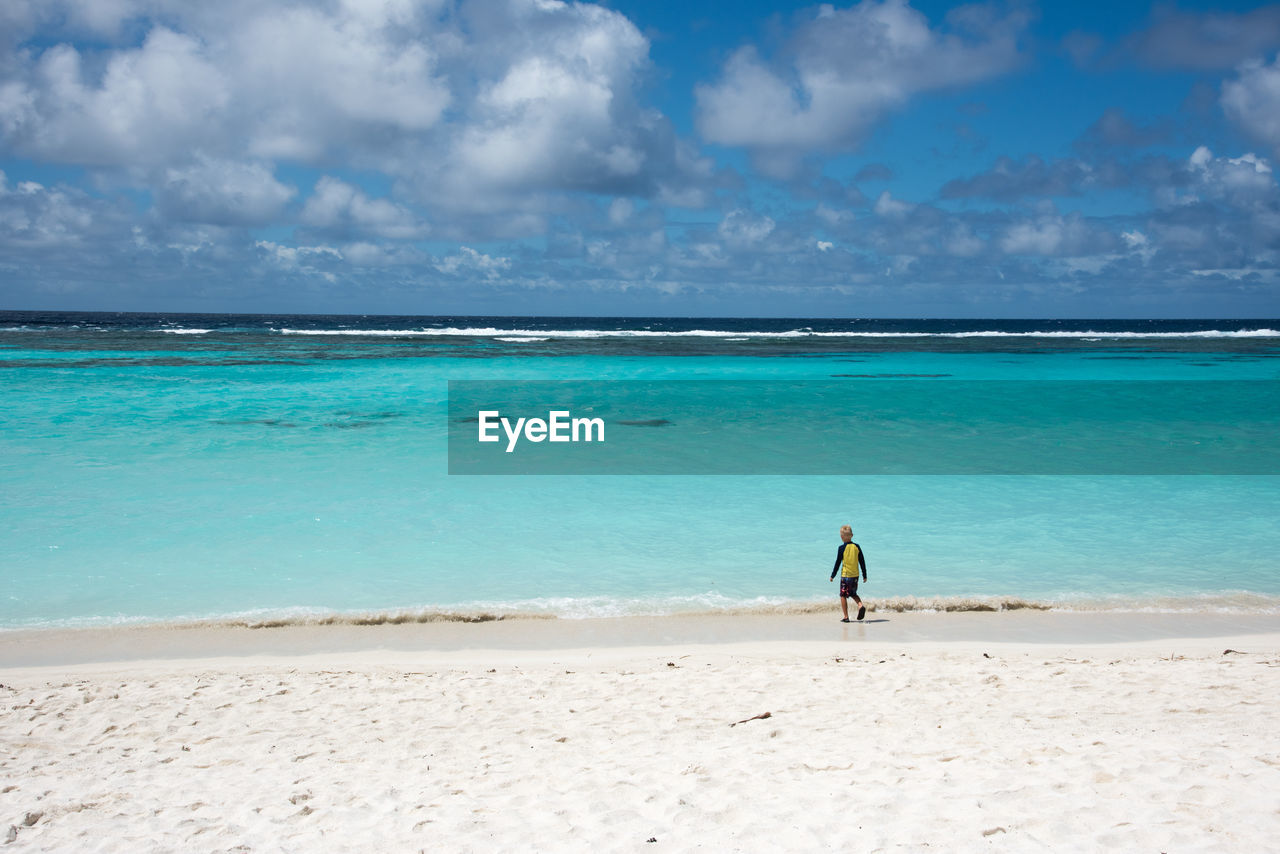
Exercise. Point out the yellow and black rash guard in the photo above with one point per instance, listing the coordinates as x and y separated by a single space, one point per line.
849 560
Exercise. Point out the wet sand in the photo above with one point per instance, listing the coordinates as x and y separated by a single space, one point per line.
70 647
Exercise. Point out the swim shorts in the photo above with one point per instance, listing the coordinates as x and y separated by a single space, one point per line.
849 587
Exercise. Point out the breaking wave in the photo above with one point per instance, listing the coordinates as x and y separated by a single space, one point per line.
707 605
741 335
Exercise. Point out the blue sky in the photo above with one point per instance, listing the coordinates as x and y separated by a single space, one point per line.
537 157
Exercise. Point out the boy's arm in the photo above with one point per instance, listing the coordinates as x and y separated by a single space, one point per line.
862 562
839 558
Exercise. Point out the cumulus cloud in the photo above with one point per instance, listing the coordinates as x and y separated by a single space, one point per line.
33 216
1240 181
1139 244
1252 100
362 253
891 208
842 70
1134 239
336 79
222 192
147 104
621 211
279 81
744 227
478 121
1051 234
962 242
319 261
294 256
499 110
554 109
468 260
555 101
338 207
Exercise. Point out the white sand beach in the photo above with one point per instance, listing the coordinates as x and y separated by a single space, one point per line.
1014 732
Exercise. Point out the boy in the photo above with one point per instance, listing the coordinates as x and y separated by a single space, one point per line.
849 560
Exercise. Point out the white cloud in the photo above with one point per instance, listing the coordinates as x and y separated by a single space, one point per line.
832 216
365 254
1134 239
1049 234
888 206
555 110
621 211
683 197
843 70
33 216
263 80
335 79
1038 238
963 243
1234 273
222 192
296 256
1139 244
496 120
743 227
148 104
1253 101
469 260
338 206
497 113
1240 181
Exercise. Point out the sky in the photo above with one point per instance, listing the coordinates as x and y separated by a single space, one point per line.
516 157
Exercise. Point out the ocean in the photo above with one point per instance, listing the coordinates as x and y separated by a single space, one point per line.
161 468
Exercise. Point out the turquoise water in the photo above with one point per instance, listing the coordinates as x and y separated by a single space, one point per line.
245 472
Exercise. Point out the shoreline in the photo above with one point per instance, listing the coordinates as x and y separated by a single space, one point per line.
534 638
1225 603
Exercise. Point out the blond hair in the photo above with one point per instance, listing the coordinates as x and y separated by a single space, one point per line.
845 529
